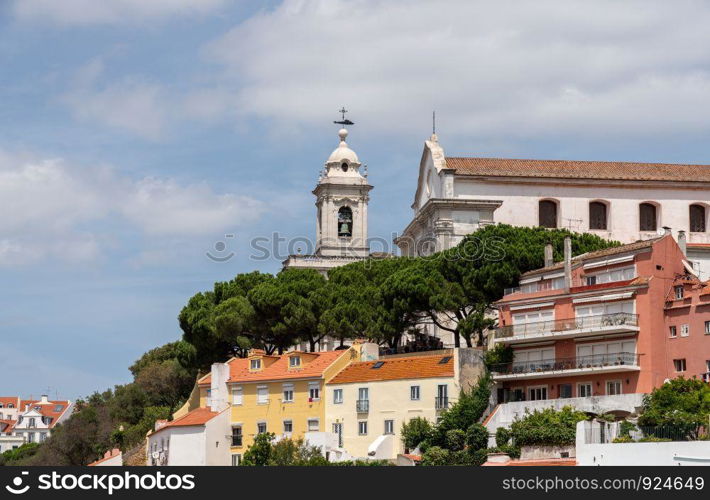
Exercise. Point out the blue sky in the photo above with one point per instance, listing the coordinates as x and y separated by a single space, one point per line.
135 135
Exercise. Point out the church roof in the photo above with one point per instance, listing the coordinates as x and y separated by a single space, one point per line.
572 169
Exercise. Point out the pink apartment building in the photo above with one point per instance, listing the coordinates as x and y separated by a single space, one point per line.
603 328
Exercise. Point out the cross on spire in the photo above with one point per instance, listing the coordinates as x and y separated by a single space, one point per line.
343 121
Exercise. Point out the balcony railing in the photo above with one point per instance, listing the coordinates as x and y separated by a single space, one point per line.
362 405
561 325
441 403
236 439
579 362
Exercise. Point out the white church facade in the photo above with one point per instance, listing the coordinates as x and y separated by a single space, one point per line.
615 200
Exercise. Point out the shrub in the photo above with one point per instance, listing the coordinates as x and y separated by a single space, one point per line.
499 355
455 440
477 437
259 452
623 439
547 427
625 428
679 402
503 436
415 432
362 463
509 449
436 456
653 439
466 411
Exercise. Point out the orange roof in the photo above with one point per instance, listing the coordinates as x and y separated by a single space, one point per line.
6 426
279 369
51 409
199 416
396 369
566 169
15 401
559 462
107 456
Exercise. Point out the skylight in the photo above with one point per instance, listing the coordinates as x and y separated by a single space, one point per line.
444 360
378 365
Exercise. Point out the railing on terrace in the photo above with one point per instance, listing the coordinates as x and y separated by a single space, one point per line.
362 405
579 362
562 325
441 403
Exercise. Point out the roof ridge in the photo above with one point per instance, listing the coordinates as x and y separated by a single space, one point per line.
550 160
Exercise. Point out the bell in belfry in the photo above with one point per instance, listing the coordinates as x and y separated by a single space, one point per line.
344 228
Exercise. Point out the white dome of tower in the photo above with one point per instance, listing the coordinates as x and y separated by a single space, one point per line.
343 152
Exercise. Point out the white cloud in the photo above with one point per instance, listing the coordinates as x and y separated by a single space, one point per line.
54 210
131 104
503 68
83 12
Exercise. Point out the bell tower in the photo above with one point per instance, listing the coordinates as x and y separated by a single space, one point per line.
342 195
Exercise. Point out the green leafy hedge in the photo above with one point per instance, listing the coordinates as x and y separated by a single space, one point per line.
547 427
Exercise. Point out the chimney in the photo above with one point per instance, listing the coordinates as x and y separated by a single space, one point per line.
682 243
44 399
548 255
218 387
568 263
666 230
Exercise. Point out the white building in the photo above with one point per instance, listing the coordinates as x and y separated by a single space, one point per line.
615 200
342 196
36 419
200 437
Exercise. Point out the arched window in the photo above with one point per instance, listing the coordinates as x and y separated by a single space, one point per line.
597 215
548 213
697 218
345 222
344 167
647 217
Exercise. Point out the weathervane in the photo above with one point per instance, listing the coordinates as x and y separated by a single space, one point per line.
343 121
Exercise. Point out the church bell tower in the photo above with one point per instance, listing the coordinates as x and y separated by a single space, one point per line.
342 195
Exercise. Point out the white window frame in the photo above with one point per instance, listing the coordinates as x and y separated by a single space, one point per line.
539 387
682 363
314 391
255 364
258 427
389 426
237 395
290 423
707 328
337 396
679 292
310 421
585 384
672 331
262 398
685 330
236 459
614 381
362 426
294 361
287 393
415 392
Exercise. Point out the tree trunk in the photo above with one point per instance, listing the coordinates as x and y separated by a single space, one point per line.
312 343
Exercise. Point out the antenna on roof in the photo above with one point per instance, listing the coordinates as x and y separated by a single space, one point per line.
343 121
433 122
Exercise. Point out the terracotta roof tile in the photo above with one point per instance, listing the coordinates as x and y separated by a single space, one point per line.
558 462
566 169
198 416
606 252
396 369
52 409
279 369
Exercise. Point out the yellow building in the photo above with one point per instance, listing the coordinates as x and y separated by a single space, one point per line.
368 402
281 394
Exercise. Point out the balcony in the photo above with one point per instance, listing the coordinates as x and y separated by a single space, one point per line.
362 405
441 403
568 328
563 367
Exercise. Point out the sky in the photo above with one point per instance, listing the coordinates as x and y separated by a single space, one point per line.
137 137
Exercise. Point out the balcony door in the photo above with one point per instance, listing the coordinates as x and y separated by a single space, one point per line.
363 394
537 393
533 359
533 321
